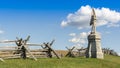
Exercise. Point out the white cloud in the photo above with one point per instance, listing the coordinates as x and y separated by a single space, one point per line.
113 25
79 38
72 34
107 32
1 32
81 18
64 23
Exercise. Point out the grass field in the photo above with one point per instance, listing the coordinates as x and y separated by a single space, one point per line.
108 62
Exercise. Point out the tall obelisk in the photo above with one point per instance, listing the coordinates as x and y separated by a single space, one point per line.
94 49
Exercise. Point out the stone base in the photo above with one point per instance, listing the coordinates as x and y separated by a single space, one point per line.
94 49
100 55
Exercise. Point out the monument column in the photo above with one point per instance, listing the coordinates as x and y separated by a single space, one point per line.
94 49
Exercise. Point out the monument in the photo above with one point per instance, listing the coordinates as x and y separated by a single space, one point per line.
94 40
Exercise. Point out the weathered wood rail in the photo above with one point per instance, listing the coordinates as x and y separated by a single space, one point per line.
41 53
22 50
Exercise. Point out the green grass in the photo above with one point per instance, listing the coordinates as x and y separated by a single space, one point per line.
108 62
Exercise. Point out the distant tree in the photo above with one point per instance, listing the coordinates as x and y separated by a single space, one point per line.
109 51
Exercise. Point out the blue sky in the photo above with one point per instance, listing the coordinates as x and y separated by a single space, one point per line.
41 19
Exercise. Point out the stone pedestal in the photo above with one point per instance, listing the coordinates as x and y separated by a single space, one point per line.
94 49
